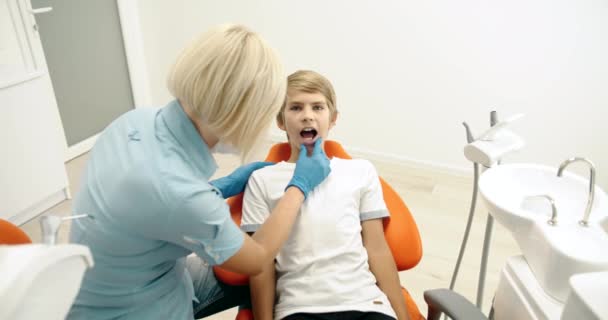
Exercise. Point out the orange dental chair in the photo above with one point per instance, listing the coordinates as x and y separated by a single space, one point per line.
400 230
401 234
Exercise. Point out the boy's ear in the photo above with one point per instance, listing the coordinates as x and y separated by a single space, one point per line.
281 124
333 119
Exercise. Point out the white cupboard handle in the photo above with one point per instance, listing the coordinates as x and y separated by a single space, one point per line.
40 10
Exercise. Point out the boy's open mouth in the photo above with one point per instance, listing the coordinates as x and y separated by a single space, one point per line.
309 135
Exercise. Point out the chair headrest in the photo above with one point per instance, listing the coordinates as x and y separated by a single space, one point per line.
11 234
282 151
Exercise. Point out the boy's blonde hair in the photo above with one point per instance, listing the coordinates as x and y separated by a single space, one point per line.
233 80
310 82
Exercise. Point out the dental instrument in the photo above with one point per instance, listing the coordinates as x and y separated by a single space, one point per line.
487 149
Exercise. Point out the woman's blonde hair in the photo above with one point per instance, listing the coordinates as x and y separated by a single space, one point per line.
233 80
310 82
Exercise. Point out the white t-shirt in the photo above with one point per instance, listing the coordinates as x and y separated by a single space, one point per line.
323 265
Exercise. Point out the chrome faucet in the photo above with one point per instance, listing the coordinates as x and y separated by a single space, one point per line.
553 220
50 226
585 220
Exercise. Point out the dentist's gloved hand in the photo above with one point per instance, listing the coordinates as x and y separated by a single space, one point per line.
310 171
235 183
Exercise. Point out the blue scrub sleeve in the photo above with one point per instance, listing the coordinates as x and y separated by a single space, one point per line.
202 223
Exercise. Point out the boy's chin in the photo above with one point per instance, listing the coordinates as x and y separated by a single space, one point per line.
310 145
298 143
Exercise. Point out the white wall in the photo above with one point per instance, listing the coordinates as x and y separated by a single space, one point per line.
408 73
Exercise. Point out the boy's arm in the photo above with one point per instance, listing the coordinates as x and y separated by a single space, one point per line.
256 212
382 265
262 288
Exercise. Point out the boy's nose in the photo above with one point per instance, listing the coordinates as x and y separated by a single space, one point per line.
307 114
307 118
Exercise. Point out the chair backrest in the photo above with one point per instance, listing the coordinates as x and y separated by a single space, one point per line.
11 234
400 230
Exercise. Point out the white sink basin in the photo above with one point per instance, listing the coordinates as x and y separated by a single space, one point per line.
587 299
554 252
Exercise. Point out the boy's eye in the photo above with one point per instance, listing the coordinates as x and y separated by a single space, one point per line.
295 108
318 107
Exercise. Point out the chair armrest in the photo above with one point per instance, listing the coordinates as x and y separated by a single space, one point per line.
452 304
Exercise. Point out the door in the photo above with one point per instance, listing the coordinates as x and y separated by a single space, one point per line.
84 50
32 145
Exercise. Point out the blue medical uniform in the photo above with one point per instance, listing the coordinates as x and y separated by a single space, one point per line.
146 187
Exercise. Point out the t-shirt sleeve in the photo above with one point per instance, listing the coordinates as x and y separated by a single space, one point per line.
255 207
372 199
202 223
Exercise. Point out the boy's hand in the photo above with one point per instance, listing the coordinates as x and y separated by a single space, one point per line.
310 170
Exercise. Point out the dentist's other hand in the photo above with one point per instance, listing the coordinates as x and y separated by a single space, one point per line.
235 183
310 170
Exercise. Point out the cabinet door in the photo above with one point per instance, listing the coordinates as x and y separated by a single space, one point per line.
32 144
87 64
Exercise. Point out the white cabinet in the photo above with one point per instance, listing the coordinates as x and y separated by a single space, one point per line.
32 143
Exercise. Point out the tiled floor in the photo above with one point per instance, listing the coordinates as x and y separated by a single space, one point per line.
440 205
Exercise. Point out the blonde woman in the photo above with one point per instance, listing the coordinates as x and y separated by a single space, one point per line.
147 188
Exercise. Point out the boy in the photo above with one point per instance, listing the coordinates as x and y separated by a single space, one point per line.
336 263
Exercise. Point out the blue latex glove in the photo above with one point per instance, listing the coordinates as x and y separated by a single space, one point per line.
235 183
310 171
